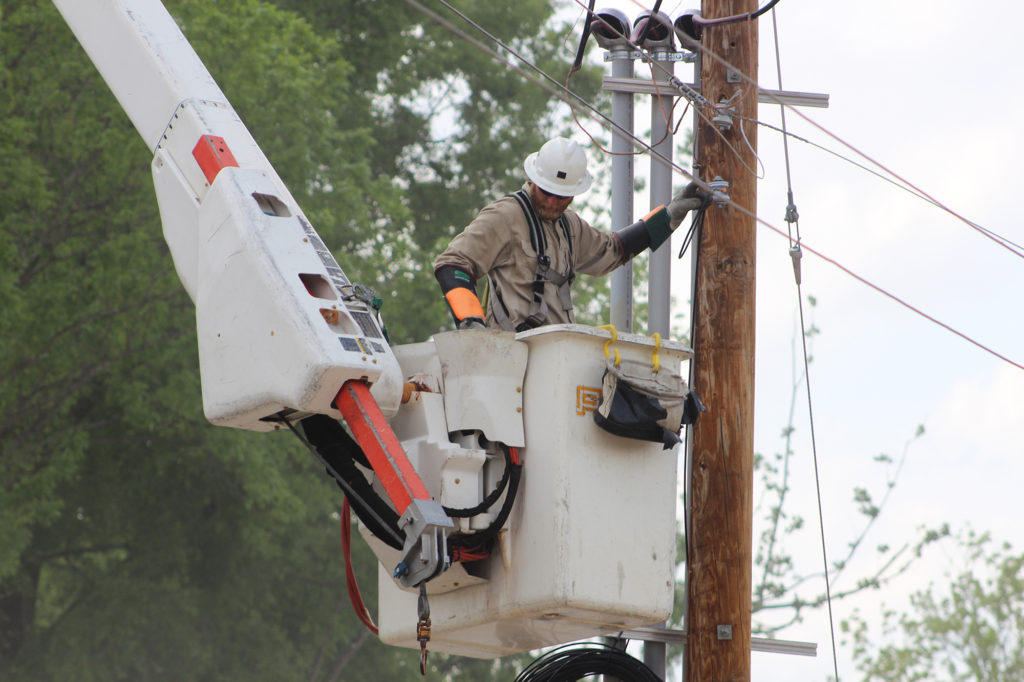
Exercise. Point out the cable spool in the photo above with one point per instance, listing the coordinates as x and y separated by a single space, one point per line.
566 664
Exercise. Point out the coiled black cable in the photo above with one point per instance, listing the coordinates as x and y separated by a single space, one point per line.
696 223
490 499
481 542
576 662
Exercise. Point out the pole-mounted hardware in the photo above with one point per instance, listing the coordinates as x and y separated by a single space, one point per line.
719 191
723 119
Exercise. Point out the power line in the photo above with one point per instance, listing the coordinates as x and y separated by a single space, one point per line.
1005 241
560 89
553 86
987 233
795 253
743 76
886 293
998 239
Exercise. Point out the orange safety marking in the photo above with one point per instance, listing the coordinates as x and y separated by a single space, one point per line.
464 303
653 211
378 441
212 155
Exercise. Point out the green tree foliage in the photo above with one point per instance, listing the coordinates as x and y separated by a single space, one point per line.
84 289
451 124
970 629
783 591
136 540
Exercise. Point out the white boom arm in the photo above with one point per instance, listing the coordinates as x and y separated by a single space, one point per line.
283 333
279 326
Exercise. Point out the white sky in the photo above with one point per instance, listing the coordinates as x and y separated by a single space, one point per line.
931 92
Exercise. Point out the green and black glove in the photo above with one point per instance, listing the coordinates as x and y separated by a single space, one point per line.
657 226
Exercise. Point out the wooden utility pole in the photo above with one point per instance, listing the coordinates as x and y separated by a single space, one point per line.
719 539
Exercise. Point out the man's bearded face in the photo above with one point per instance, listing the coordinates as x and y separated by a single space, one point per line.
548 206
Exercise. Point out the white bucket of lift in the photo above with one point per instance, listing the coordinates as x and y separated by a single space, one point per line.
590 547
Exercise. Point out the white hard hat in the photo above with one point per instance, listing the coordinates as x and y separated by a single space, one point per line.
560 167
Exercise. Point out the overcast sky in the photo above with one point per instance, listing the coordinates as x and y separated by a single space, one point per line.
930 92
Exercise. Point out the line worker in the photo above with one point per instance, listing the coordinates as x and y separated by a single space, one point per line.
530 246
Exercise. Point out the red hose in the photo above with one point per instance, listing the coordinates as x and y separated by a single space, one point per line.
350 577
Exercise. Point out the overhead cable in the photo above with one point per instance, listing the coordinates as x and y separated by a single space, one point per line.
770 95
882 291
792 217
559 90
1004 243
639 143
917 189
749 16
1008 243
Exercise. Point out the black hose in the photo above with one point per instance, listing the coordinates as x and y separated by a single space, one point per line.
764 9
339 452
577 63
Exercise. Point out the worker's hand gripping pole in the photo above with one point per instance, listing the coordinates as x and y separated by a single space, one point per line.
422 519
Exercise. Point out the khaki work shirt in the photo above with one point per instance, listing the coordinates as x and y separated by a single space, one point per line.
497 244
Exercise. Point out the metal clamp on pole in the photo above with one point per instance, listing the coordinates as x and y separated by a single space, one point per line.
719 191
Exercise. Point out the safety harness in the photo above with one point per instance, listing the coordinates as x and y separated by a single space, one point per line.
538 312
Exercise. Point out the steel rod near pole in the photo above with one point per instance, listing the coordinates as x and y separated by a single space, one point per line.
659 295
622 186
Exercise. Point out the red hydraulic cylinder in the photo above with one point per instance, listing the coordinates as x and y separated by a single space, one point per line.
374 435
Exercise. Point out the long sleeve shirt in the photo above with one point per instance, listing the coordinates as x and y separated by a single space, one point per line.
497 244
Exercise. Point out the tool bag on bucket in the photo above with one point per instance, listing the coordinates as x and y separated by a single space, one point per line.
640 402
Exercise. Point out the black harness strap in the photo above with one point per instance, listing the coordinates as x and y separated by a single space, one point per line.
538 239
538 314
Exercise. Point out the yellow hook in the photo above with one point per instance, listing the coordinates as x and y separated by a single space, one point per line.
609 342
655 359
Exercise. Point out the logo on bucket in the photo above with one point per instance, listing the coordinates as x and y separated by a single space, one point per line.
588 399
